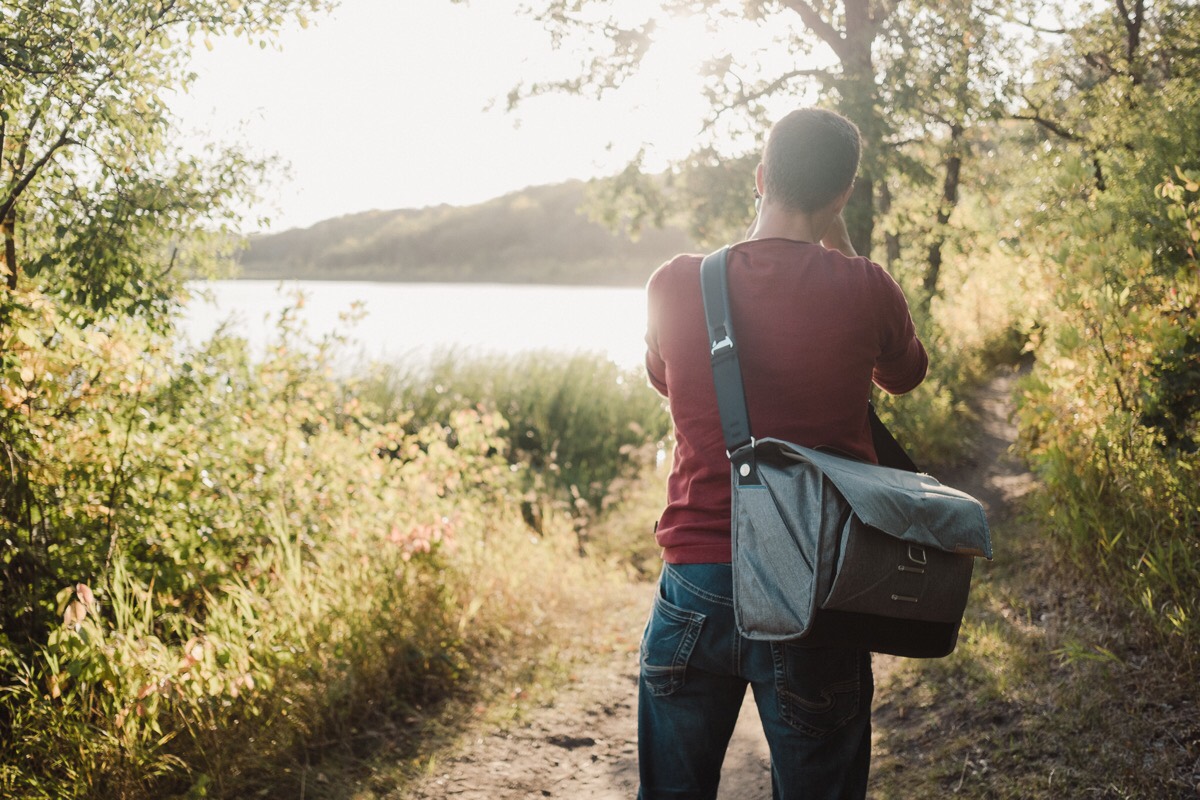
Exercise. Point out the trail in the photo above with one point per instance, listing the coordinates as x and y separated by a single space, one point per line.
584 744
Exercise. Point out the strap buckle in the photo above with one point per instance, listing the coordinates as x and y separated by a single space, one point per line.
750 443
721 345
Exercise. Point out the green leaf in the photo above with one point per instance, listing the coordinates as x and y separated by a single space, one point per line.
62 598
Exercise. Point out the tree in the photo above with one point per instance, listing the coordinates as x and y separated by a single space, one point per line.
947 78
883 63
90 186
1116 89
99 218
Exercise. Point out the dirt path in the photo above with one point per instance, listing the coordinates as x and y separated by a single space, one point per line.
584 743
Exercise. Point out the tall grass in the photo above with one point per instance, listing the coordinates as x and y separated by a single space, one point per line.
582 425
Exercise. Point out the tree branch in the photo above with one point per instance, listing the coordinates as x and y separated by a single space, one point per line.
1050 125
1133 32
64 139
1070 136
881 13
1009 16
819 26
743 98
783 80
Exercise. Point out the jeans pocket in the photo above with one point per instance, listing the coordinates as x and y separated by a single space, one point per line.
667 644
819 690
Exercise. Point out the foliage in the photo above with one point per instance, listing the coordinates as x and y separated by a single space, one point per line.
213 568
1109 417
207 552
95 201
583 426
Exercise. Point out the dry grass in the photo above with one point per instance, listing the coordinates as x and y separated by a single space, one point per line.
556 614
1052 693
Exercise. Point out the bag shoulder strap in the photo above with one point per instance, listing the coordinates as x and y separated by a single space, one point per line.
727 370
889 452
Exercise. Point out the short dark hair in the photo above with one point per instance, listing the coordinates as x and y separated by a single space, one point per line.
811 157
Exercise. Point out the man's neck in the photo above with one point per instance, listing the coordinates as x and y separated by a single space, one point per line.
775 223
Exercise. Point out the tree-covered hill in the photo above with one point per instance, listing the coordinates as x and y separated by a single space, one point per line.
537 235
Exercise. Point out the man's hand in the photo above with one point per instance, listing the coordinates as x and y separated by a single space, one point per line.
837 237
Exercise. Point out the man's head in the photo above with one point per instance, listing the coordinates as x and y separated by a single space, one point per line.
810 159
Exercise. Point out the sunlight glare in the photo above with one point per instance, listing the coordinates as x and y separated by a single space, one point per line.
384 105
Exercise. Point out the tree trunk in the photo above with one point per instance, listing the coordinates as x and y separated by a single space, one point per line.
891 240
858 99
860 216
8 224
860 102
945 208
1133 35
8 229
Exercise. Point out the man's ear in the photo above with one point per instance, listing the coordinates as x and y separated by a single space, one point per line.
760 181
843 198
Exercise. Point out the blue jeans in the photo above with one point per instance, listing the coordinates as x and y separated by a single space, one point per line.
815 704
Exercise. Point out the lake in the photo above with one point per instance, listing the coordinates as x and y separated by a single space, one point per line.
402 321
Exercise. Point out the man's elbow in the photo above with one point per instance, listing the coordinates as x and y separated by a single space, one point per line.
659 384
904 380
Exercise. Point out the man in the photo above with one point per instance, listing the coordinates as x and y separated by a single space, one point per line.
816 325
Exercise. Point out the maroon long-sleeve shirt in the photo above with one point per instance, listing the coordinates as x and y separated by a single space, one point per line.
814 329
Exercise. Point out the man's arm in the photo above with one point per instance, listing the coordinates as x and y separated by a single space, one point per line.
656 368
838 238
902 362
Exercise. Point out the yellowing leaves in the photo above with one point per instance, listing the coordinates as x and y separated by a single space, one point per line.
1190 179
28 338
12 394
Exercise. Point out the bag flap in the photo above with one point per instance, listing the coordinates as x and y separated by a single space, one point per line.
908 505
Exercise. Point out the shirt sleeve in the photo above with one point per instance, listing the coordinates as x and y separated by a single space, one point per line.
902 362
656 367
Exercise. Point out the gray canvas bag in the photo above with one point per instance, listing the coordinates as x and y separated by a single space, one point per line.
829 550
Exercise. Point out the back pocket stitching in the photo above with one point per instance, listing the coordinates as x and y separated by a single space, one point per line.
787 699
667 679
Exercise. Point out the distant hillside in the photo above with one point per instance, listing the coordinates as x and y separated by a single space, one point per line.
537 235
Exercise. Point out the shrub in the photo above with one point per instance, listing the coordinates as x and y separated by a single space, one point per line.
213 565
579 422
1110 415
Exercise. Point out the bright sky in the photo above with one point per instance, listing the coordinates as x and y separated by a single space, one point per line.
400 103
